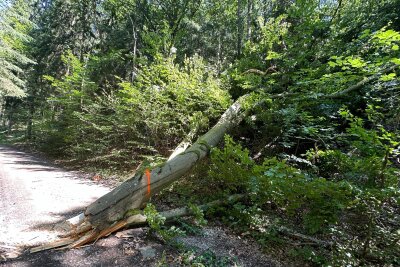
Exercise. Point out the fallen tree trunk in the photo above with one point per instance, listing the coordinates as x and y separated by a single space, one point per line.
109 212
133 193
289 232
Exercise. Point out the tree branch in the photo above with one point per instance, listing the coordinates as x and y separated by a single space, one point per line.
361 83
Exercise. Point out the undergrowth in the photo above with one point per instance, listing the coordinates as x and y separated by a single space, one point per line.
347 198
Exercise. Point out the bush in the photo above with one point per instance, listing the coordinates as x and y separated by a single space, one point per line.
355 205
119 126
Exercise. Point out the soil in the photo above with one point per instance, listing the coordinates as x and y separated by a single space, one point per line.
136 247
35 195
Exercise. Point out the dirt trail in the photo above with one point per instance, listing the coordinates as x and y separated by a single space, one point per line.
34 195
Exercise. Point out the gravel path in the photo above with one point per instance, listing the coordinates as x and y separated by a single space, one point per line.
34 195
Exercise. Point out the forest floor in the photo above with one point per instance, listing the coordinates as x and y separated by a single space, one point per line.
35 194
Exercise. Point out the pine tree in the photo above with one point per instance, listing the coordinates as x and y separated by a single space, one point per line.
14 26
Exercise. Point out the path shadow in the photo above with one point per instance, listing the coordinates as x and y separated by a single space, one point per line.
24 158
61 217
38 164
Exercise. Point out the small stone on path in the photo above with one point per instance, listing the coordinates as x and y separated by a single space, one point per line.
148 252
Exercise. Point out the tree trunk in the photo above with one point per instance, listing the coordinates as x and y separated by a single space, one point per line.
10 118
31 111
2 112
239 25
108 212
249 18
133 193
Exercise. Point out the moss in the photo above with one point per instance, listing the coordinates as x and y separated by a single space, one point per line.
132 212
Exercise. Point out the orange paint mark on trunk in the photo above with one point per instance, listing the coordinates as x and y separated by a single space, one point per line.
148 174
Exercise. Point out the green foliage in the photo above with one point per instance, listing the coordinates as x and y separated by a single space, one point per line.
119 82
320 201
309 254
164 90
367 163
151 115
207 258
317 200
156 223
356 200
14 28
198 215
231 165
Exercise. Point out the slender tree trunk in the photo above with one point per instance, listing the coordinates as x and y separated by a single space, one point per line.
31 111
219 51
239 25
337 11
248 21
10 118
134 54
2 112
134 35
